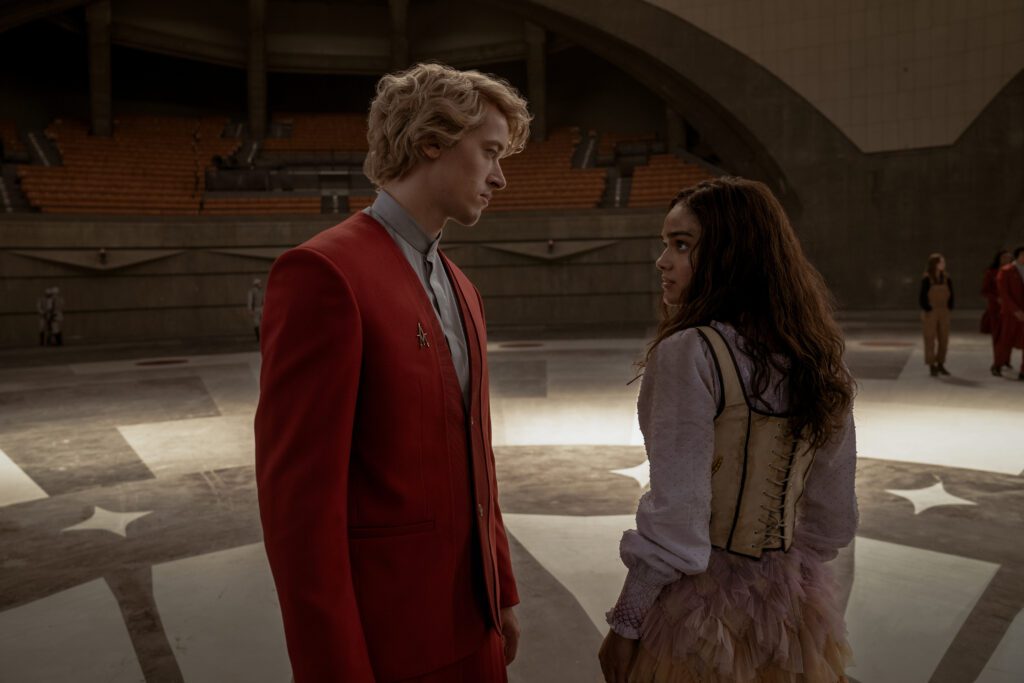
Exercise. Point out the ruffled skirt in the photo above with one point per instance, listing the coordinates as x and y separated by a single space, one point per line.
773 620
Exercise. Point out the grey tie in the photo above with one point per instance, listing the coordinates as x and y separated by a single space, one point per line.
437 298
448 313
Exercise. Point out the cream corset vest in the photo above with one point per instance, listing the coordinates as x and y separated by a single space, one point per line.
759 468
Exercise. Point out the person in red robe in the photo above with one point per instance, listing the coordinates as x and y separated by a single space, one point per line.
1010 285
990 318
374 468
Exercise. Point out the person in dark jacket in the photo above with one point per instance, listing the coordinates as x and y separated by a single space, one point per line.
936 301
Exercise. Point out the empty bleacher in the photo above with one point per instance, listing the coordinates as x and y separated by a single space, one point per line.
655 184
610 141
269 204
358 202
542 177
149 166
157 166
320 133
9 136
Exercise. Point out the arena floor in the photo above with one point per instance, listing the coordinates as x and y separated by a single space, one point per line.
130 547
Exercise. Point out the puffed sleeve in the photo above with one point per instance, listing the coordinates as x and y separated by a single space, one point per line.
676 407
827 517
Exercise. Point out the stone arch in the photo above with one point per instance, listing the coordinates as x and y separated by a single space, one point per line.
754 121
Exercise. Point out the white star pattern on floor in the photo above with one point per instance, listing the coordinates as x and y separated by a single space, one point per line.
641 473
106 520
566 553
930 497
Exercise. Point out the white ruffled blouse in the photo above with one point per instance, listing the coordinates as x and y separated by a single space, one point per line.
676 409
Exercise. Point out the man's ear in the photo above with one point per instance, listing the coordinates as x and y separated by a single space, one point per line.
430 149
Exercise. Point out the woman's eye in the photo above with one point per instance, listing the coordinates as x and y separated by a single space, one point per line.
682 246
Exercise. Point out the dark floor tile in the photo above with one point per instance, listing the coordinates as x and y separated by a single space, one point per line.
118 403
68 457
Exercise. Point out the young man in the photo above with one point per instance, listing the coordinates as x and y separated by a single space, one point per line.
373 447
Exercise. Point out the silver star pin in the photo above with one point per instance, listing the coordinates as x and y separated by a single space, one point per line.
930 497
105 520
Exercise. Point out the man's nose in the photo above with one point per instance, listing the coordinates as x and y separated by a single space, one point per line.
497 179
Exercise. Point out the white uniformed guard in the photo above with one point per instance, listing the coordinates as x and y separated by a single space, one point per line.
255 305
50 307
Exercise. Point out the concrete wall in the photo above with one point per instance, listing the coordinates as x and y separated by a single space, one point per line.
599 275
587 91
869 220
890 74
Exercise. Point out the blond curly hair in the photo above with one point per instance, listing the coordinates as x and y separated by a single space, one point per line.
437 104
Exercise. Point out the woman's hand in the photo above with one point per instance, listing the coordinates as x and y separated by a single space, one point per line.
616 656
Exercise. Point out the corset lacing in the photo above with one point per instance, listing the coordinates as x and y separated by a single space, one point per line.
774 519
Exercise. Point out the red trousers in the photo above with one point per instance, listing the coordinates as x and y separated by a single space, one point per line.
1010 338
486 665
1004 346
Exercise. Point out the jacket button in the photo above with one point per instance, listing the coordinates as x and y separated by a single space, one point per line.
480 509
472 422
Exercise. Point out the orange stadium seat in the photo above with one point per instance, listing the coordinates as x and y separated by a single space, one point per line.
149 166
9 136
358 202
321 132
609 141
268 205
542 177
657 183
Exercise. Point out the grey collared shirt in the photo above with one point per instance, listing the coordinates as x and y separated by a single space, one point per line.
421 252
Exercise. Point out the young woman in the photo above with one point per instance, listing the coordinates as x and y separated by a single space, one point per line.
936 301
991 318
744 389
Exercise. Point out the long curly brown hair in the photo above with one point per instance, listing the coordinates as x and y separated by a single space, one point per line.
750 271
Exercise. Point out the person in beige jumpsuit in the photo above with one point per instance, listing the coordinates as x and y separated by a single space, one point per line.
936 301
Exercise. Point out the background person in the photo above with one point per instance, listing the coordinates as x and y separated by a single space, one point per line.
254 304
1010 284
936 301
50 308
991 319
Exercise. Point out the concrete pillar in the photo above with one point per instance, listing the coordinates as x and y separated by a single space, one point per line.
399 11
536 77
675 129
98 18
257 69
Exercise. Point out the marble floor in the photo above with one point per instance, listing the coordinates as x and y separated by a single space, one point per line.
130 548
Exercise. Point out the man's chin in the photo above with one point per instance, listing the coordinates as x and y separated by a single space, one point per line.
469 219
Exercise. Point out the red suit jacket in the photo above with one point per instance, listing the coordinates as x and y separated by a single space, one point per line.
1011 298
376 484
990 318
